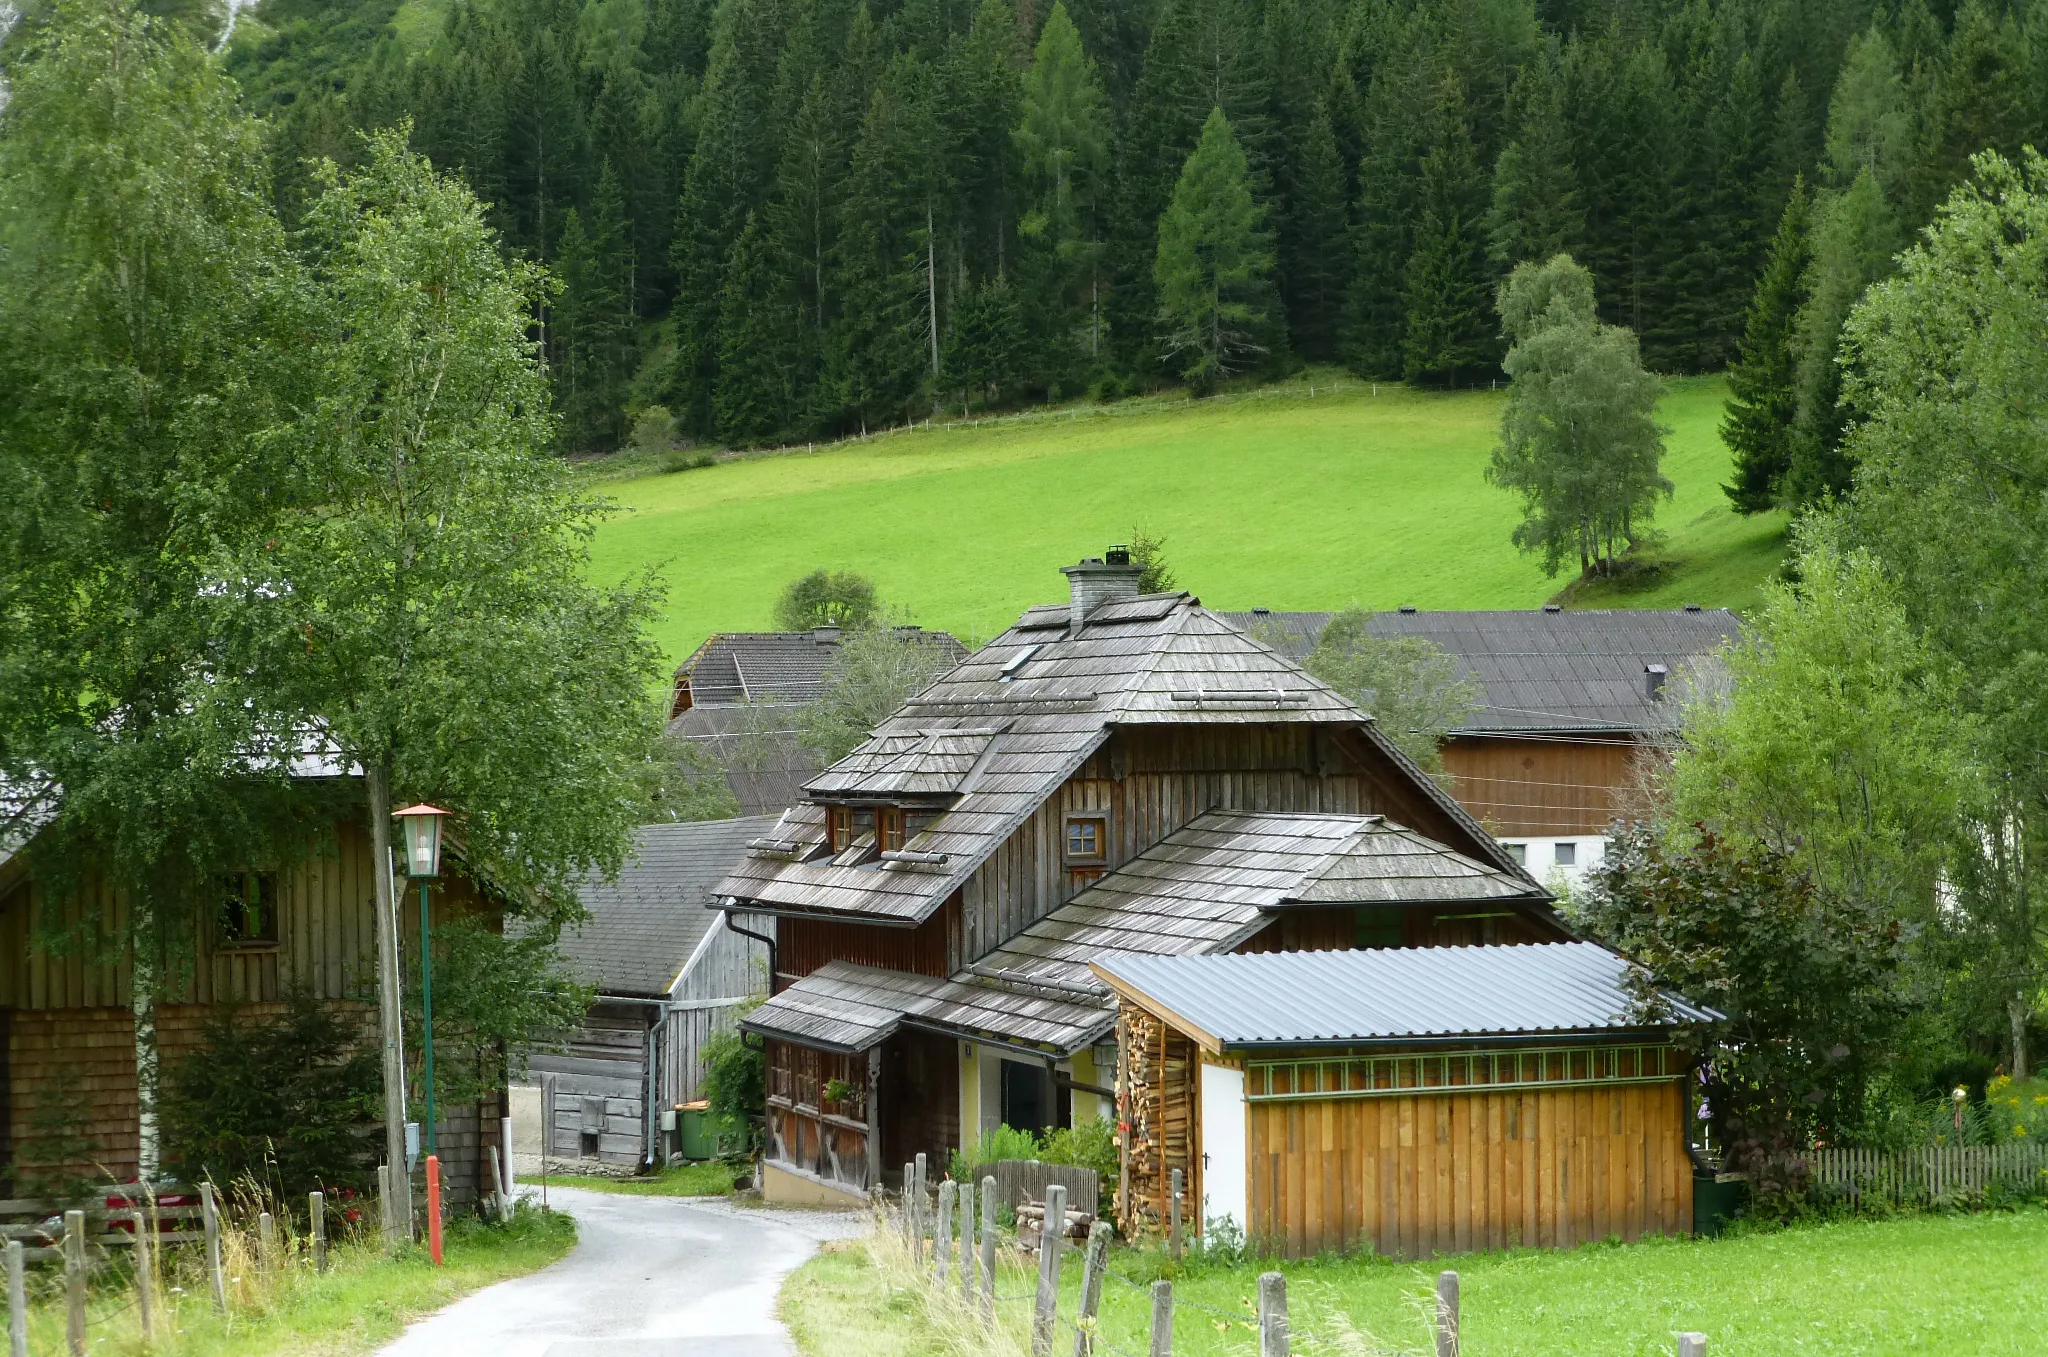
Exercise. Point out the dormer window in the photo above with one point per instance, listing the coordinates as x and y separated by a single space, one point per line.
1087 840
889 829
839 827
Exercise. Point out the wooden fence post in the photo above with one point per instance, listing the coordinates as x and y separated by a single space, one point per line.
316 1213
1272 1315
1162 1318
500 1180
1173 1218
1091 1288
917 1232
942 1237
17 1302
266 1241
385 1219
211 1210
988 1249
1051 1232
967 1245
1692 1345
909 1195
74 1281
1447 1314
145 1274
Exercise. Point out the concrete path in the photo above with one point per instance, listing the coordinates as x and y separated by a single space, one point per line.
649 1277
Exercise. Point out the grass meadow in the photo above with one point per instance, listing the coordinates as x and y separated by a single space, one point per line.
1935 1284
1270 498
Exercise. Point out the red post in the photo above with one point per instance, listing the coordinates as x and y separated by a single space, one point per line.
434 1207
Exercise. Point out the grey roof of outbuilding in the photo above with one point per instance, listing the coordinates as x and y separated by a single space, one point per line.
1213 884
1406 994
644 926
766 765
995 735
1542 671
848 1007
779 667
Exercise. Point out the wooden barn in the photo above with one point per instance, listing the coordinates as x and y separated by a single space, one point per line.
1571 705
1114 773
68 1100
669 972
1414 1101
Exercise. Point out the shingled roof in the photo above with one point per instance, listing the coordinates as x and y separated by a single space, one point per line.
993 737
644 926
1219 880
847 1007
781 668
1542 671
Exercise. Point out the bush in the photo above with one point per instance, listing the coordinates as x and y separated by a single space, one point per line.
735 1087
283 1102
1091 1145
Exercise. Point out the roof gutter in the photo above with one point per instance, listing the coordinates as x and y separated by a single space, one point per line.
1462 1040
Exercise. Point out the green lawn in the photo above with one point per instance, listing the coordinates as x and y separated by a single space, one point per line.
711 1179
1929 1284
1272 498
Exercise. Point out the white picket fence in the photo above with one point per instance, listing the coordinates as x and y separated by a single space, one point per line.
1930 1174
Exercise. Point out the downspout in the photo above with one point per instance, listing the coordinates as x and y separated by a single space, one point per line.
757 937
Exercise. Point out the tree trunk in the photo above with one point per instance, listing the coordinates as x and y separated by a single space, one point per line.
377 782
2018 1010
147 975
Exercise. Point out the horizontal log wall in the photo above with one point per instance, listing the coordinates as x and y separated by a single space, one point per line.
1449 1173
600 1076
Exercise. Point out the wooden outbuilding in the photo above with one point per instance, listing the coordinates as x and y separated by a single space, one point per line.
669 972
1414 1101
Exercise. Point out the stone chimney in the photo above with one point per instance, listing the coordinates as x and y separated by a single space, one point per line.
1095 583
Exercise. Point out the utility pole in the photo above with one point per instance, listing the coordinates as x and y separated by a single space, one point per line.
376 779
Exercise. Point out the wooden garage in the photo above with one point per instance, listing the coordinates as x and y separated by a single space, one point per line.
1414 1101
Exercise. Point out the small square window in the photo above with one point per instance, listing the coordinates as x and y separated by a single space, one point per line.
1519 852
1377 927
248 910
1087 838
889 829
1567 854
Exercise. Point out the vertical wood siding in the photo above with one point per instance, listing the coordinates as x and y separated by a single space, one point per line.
1312 929
928 949
1152 781
1449 1173
1543 787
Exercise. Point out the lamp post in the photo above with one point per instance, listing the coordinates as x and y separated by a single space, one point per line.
422 826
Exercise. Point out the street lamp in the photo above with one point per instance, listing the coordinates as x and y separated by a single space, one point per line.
421 833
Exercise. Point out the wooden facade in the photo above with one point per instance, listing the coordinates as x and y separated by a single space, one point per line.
1453 1172
1546 787
66 1005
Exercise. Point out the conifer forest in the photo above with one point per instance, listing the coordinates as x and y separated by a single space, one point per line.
776 220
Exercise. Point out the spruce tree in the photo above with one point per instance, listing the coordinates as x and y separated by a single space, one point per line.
1449 331
979 110
1214 264
1762 402
593 331
753 397
1383 228
985 344
1316 246
546 147
810 189
1064 137
1535 211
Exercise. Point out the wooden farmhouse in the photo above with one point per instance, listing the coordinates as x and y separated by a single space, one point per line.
68 1101
749 688
1115 773
1416 1101
1572 705
668 974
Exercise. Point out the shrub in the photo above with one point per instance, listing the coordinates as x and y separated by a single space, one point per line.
281 1101
735 1087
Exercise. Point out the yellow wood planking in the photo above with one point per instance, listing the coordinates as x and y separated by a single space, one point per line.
1415 1176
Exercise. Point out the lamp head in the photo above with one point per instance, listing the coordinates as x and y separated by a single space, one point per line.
420 829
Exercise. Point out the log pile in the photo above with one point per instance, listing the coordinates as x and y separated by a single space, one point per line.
1031 1225
1155 1118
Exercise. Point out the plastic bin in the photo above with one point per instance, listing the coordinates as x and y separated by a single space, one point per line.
694 1136
1716 1197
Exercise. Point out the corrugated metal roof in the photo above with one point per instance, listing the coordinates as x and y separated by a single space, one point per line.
1542 671
849 1007
1327 998
1050 697
644 926
781 667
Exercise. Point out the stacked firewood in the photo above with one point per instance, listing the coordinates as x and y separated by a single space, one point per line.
1155 1117
1031 1225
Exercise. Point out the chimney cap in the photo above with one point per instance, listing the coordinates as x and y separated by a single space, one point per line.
1692 607
825 636
1653 681
1553 607
1408 607
1119 554
1262 612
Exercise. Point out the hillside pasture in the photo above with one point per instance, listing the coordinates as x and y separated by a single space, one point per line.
1273 498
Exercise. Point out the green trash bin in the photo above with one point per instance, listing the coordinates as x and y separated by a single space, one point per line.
1716 1197
694 1133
